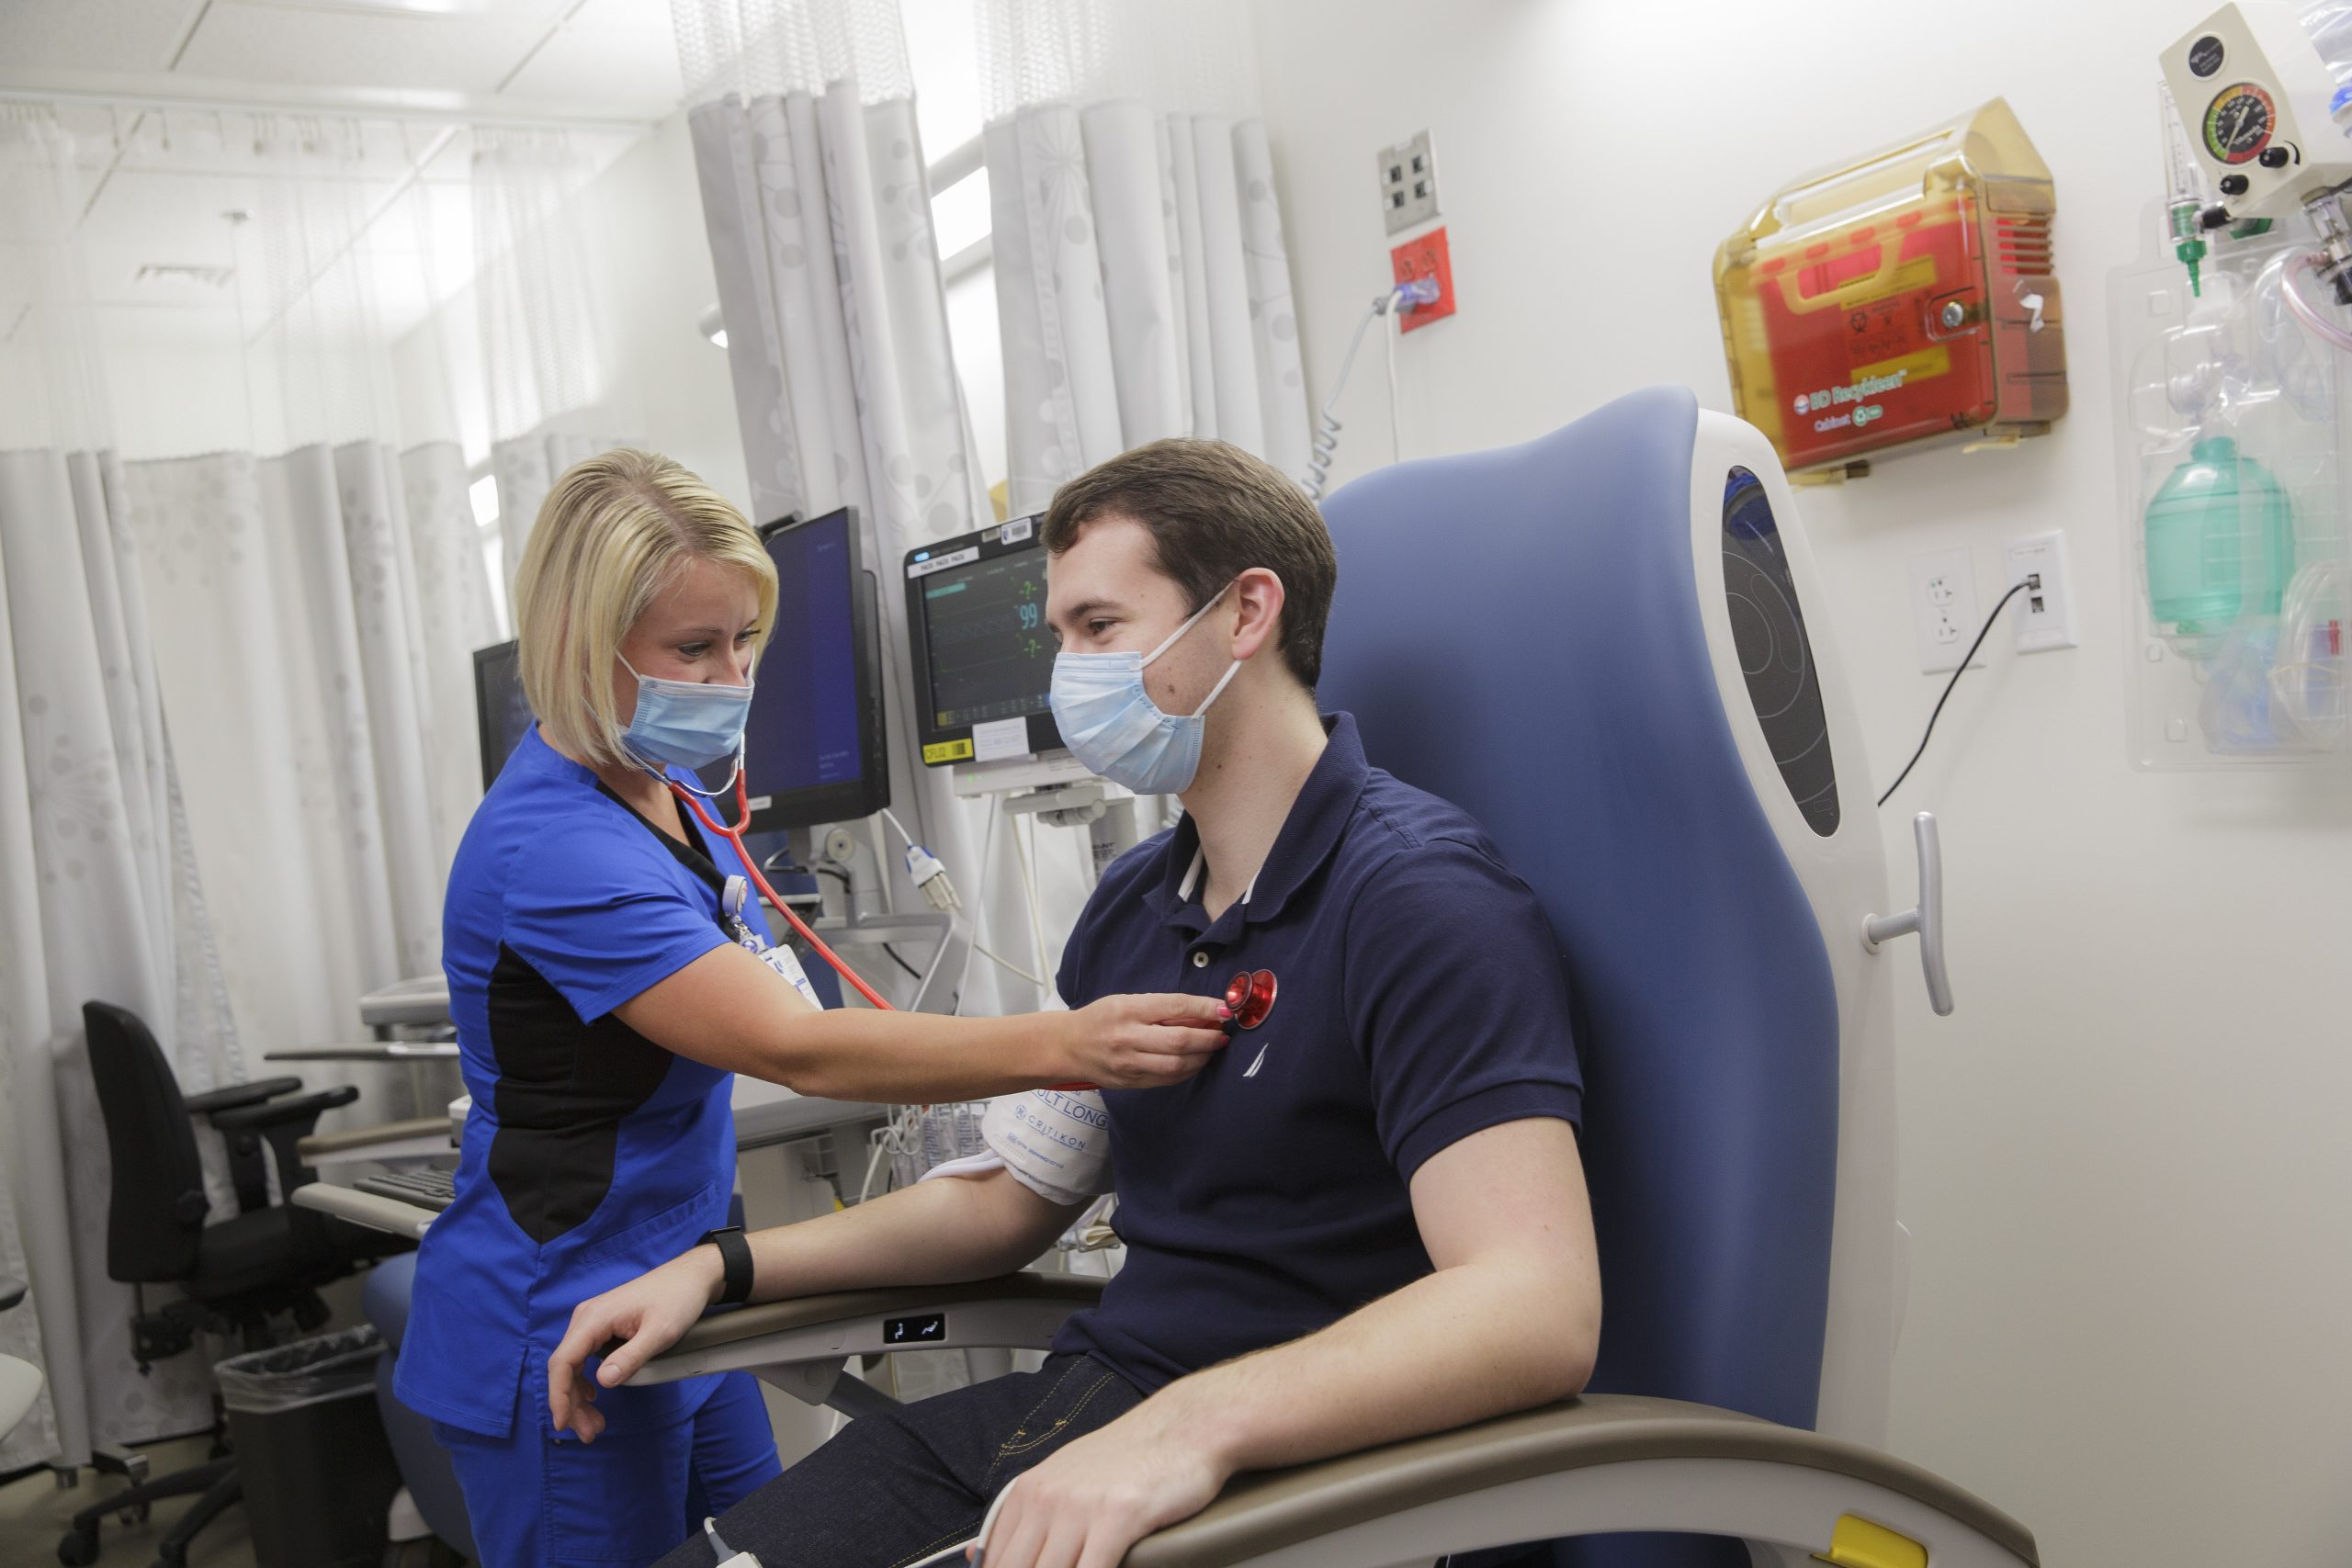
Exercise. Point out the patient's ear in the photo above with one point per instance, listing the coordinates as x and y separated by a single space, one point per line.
1258 595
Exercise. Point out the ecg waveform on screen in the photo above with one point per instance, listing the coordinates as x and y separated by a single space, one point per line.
991 656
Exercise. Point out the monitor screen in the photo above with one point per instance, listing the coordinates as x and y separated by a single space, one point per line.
984 660
813 744
501 715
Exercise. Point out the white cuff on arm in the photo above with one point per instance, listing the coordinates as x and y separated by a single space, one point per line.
1057 1143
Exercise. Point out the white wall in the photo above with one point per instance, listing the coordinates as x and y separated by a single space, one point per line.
2125 1158
665 384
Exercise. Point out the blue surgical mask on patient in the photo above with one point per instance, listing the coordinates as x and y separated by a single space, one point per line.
687 723
1110 722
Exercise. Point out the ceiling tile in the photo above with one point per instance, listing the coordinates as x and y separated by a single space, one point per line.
458 53
623 53
91 35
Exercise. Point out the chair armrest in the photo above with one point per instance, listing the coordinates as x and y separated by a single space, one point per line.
1600 1464
282 1124
229 1097
11 1292
422 1138
377 1213
280 1112
1014 1311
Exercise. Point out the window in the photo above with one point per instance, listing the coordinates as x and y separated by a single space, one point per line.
483 495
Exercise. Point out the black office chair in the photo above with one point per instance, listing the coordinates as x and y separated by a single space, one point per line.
236 1276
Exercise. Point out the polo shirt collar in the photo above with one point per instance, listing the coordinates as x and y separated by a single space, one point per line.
1317 819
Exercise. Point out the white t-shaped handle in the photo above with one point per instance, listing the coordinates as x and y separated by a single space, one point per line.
1926 918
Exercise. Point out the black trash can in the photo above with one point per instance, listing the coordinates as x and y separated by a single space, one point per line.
318 1471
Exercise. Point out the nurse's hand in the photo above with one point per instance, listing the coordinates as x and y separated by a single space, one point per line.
649 1313
1143 1041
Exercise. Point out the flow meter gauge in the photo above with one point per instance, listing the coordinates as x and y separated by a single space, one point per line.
2238 123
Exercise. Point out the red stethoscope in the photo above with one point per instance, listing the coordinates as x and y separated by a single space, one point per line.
734 836
1249 995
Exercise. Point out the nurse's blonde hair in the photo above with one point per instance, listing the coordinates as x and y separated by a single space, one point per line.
613 532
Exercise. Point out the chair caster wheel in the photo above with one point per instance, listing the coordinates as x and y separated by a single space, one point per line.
79 1549
136 1514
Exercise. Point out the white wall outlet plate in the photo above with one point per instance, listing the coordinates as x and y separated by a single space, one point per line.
2044 616
1409 182
1944 608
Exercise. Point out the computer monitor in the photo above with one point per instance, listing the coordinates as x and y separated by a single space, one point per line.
815 742
983 658
501 715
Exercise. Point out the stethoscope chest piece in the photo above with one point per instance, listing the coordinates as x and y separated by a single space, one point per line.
1252 997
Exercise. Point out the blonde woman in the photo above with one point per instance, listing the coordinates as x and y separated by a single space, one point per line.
605 995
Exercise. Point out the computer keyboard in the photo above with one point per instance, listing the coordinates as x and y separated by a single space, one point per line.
425 1187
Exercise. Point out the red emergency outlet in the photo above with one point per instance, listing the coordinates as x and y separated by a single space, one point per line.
1425 256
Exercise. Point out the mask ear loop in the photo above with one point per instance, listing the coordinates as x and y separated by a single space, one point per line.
1215 692
1190 622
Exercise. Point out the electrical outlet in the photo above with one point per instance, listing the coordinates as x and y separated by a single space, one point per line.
1409 182
2044 613
1944 608
1424 256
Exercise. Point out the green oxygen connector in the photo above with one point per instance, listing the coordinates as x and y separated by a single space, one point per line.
2188 239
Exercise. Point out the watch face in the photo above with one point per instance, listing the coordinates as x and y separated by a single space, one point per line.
2239 122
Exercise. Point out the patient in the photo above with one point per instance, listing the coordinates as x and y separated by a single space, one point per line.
1365 1221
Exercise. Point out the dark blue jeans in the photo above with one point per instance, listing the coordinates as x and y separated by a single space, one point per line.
890 1490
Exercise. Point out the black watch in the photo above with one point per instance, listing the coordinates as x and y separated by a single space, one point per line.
735 1253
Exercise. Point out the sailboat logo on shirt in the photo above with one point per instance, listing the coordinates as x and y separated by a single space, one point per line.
1257 1061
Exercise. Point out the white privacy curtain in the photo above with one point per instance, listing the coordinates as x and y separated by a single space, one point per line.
535 304
98 899
1142 282
241 751
845 390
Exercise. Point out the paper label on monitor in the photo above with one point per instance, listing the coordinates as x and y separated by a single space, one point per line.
1004 738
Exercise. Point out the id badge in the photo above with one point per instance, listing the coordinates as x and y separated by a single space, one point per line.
780 959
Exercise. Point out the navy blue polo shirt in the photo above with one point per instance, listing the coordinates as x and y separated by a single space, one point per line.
591 1154
1421 999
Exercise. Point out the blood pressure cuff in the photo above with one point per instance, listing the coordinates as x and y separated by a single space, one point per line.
1057 1143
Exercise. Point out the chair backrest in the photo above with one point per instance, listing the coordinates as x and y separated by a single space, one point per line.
155 1218
1605 645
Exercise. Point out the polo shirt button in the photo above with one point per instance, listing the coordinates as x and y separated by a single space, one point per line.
1200 958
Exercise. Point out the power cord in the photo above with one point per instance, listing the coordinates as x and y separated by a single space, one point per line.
1409 294
2033 581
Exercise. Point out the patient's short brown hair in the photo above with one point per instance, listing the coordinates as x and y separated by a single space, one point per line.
1213 511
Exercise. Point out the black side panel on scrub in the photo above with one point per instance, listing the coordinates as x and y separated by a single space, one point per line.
564 1088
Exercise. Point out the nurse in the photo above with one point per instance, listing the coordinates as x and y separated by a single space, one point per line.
605 990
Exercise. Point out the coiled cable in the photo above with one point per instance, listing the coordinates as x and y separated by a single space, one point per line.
1409 294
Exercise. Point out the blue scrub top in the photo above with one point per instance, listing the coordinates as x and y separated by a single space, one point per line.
591 1154
1420 997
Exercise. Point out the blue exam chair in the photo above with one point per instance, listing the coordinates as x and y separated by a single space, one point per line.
1598 644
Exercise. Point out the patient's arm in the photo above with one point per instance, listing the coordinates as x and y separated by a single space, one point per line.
1511 1318
930 1233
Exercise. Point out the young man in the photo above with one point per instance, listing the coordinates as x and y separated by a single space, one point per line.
1364 1221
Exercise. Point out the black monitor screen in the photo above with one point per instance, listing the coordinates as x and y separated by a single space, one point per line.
977 608
501 715
813 743
990 655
